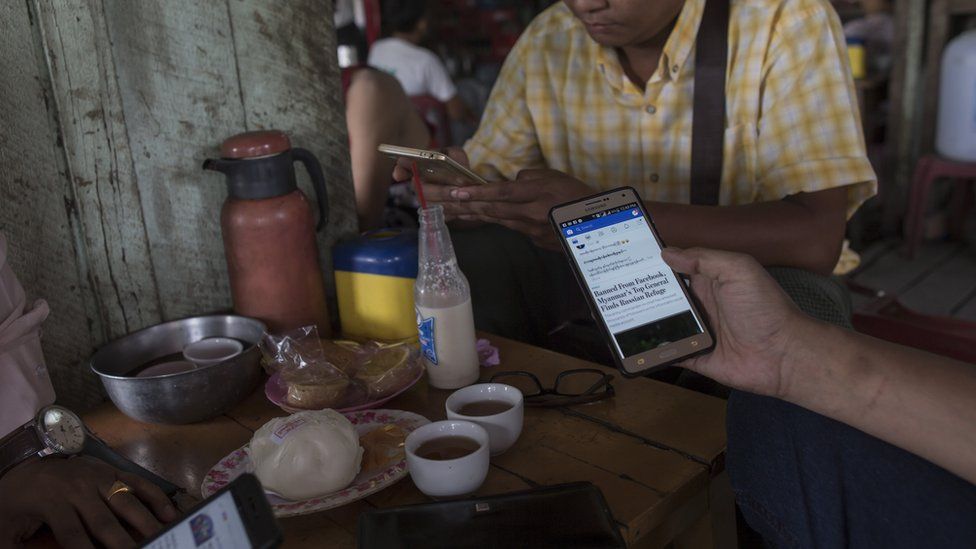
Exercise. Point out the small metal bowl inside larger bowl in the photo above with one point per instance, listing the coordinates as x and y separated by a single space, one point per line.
183 397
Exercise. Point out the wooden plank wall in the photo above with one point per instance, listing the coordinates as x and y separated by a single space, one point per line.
38 211
117 103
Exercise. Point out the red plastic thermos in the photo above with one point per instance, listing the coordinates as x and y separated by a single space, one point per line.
269 231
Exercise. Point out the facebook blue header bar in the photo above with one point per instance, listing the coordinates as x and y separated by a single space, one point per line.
570 230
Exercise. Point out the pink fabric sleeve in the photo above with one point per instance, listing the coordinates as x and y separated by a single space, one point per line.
25 386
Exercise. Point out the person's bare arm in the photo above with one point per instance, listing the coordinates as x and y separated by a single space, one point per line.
923 403
804 230
378 111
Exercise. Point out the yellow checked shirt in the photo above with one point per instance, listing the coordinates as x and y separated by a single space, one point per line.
562 101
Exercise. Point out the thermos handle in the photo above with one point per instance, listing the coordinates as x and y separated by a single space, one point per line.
314 170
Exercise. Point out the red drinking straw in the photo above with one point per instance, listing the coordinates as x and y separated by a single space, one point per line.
418 186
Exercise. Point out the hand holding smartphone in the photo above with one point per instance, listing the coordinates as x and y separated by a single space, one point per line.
642 306
435 167
237 516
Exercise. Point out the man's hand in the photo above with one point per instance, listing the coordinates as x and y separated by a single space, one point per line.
756 326
71 497
522 205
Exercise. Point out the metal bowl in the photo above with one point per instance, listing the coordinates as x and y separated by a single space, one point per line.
183 397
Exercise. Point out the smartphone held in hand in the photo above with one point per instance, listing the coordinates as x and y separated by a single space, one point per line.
236 516
435 167
642 306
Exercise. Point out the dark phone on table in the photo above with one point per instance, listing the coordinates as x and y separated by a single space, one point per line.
644 309
238 516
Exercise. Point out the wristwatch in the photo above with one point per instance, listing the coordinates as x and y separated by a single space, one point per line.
59 431
56 430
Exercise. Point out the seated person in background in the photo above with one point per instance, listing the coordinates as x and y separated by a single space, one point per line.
418 69
598 94
377 111
76 497
805 480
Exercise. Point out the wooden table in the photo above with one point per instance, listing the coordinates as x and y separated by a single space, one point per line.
655 450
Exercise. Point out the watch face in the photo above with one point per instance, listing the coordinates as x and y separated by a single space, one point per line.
62 430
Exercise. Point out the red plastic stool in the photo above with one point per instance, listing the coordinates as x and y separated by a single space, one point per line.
929 169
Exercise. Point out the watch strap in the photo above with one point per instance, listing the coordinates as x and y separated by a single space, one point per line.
18 446
96 448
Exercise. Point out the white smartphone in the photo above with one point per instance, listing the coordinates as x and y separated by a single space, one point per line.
644 309
435 163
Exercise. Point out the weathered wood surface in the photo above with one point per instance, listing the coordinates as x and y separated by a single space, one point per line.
939 280
894 273
109 108
661 484
38 210
946 291
99 165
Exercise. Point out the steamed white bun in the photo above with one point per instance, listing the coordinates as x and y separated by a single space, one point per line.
308 454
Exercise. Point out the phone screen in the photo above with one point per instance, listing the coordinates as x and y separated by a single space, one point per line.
216 525
636 292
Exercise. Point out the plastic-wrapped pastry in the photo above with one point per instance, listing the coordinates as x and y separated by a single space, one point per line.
317 394
388 369
344 355
307 454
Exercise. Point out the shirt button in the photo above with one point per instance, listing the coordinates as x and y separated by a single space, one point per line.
674 68
650 109
654 178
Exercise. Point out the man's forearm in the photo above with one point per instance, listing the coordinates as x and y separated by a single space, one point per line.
804 231
922 403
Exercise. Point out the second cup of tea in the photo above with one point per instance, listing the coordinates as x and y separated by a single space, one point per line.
448 458
495 406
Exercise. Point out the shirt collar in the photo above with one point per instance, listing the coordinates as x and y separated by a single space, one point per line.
608 63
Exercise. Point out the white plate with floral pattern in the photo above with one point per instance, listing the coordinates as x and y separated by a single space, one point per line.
366 483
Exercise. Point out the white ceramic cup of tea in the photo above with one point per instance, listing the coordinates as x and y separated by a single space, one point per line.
448 458
495 406
212 350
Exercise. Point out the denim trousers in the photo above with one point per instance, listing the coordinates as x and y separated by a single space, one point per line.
804 480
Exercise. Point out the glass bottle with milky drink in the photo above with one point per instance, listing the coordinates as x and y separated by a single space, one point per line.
444 319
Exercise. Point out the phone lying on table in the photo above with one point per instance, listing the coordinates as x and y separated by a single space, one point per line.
642 306
435 163
236 516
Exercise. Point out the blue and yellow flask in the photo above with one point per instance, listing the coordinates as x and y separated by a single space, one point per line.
375 275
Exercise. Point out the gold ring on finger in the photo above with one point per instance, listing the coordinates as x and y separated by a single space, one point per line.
118 487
